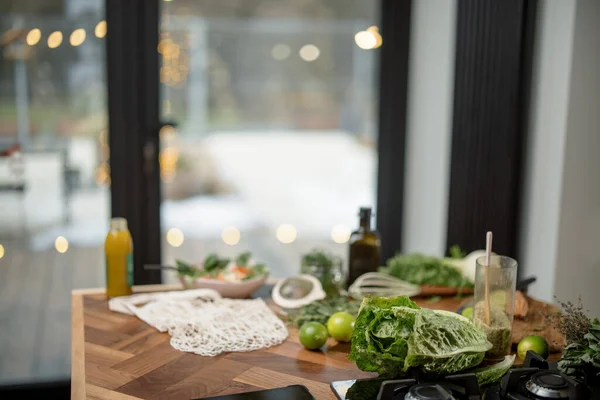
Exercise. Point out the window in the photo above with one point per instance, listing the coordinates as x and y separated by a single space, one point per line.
54 178
273 142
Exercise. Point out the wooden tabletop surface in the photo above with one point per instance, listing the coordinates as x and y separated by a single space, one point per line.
116 356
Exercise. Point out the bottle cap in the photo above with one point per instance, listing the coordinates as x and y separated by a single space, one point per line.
118 224
365 212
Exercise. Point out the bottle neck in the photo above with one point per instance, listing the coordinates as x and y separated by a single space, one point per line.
118 224
365 223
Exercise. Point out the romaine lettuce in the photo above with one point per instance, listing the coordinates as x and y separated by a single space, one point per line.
392 335
493 373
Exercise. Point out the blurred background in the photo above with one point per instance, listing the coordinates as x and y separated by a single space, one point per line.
272 147
278 120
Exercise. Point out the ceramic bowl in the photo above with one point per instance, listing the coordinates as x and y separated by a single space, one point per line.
234 290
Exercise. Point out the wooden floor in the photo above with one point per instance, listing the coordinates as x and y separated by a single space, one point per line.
35 307
35 296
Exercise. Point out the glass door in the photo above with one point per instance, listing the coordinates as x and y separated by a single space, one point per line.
54 178
273 145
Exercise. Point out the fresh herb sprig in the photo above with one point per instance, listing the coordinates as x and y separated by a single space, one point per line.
321 265
573 323
318 258
321 310
581 357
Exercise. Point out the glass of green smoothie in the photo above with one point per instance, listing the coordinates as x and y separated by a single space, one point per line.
494 302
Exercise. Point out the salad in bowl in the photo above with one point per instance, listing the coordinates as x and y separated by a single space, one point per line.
236 278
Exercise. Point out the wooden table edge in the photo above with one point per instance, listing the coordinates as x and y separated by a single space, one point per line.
77 348
78 377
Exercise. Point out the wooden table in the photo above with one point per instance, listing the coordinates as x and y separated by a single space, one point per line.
116 356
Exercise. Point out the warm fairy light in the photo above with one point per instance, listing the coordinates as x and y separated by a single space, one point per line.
167 132
286 233
102 137
340 233
365 40
162 44
231 235
55 39
102 175
100 29
1 251
378 39
168 48
175 237
33 37
281 51
168 157
77 37
369 39
309 52
104 152
61 244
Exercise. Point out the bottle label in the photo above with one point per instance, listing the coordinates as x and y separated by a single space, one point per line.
130 269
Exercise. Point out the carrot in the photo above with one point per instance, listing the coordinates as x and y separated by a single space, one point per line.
240 272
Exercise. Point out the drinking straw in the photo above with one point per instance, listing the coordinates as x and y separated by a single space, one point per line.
488 253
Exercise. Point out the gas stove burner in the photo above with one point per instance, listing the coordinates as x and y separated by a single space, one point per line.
548 385
536 380
423 387
428 391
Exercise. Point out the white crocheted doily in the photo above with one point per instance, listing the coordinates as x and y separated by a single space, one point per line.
201 321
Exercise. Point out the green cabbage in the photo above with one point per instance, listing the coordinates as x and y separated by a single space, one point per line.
493 373
392 335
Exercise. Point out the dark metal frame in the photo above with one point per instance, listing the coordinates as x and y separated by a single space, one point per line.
494 47
133 104
393 102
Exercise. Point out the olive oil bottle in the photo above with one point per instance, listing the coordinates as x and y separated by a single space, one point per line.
365 248
118 248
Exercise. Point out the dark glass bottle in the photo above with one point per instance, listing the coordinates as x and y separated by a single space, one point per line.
365 248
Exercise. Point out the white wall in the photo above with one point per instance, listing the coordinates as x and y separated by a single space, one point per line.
561 222
545 150
578 256
430 94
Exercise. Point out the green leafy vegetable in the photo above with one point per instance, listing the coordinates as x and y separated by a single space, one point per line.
321 310
493 373
319 258
185 269
212 263
380 338
456 252
364 389
581 357
242 259
392 335
322 266
445 342
256 270
213 266
420 269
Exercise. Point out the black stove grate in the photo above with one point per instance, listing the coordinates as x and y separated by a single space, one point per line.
537 379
